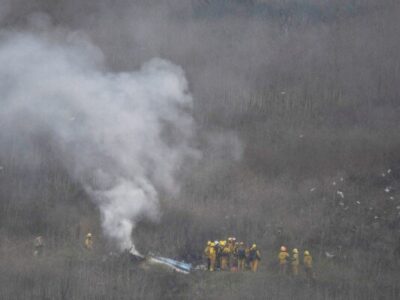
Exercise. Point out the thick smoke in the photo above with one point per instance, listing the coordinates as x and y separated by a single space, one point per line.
122 135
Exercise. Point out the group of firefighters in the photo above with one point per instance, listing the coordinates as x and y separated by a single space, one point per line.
229 255
293 261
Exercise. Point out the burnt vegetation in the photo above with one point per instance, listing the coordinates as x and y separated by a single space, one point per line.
297 108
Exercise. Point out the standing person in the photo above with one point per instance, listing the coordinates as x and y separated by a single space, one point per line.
241 257
233 260
254 257
89 241
229 241
229 246
207 254
225 254
247 251
218 249
308 265
295 262
213 257
38 245
283 258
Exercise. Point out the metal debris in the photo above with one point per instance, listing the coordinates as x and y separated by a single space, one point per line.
329 255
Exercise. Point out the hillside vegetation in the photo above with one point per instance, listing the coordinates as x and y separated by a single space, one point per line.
297 110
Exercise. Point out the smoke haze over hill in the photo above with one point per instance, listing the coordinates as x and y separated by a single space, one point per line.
108 127
174 122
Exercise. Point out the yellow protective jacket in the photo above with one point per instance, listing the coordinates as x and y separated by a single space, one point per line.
212 253
226 251
232 248
89 243
295 259
207 251
308 261
283 257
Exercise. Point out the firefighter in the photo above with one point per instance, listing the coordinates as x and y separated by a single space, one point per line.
229 246
233 259
247 252
234 242
283 258
231 243
295 262
241 256
38 245
213 256
207 254
89 241
254 257
225 254
308 265
217 248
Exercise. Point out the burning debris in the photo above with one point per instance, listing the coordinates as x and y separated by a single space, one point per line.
166 263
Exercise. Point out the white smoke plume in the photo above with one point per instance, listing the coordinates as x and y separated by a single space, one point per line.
122 135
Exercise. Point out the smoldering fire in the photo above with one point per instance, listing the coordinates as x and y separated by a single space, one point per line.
109 127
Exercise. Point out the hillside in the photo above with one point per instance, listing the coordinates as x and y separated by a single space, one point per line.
273 121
